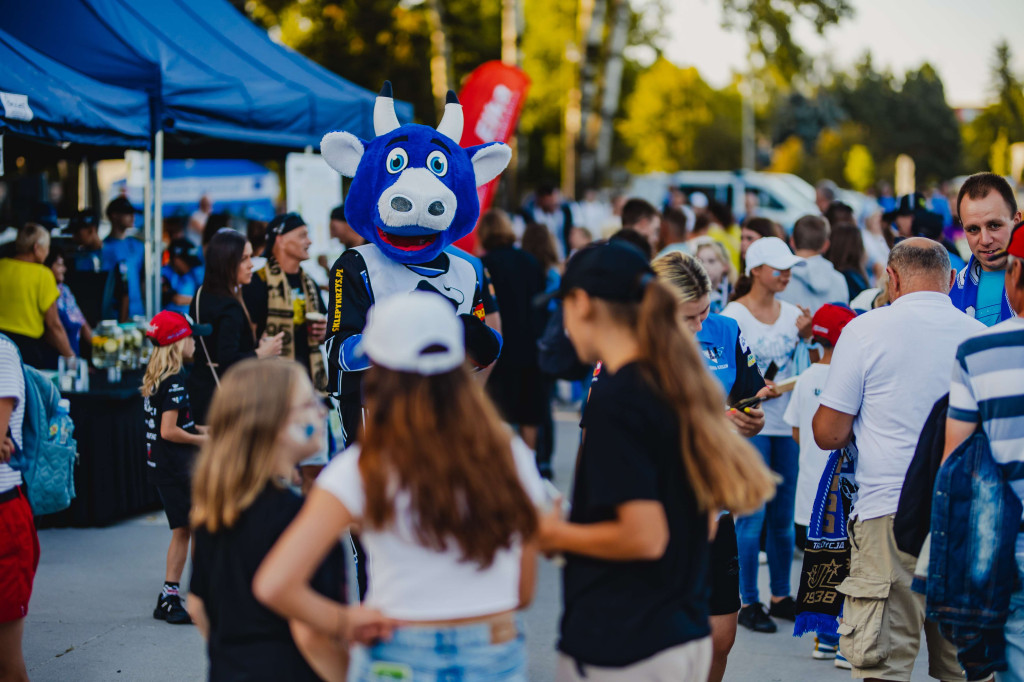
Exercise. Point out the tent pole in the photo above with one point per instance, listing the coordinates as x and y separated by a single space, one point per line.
147 233
158 219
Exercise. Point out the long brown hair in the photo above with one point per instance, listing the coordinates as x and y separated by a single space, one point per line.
723 469
239 457
440 439
846 249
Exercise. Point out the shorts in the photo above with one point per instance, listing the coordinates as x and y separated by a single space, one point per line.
689 661
880 631
724 569
177 501
519 393
19 555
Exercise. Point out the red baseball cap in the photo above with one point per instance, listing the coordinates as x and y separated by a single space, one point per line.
1016 246
167 326
830 319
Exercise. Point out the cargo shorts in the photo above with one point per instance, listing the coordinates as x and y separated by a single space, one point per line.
880 631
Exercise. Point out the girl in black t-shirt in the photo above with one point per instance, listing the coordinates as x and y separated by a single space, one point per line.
657 457
171 442
265 418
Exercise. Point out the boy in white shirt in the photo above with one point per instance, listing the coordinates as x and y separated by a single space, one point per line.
827 324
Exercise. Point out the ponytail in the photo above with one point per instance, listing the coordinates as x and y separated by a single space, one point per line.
723 469
743 286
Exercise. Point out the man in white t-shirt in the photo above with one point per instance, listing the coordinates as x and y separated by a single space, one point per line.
19 547
888 369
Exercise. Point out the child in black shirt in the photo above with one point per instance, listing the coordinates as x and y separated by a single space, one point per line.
171 442
264 419
658 457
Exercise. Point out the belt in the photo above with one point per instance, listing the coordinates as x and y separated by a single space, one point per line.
12 494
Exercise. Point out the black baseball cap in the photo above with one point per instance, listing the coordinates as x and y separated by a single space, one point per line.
82 220
908 204
186 250
120 205
282 224
614 271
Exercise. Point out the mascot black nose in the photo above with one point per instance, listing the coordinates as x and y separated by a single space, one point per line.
435 208
400 203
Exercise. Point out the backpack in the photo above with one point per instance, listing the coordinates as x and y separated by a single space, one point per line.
46 464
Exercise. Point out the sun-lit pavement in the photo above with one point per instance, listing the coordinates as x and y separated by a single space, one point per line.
91 612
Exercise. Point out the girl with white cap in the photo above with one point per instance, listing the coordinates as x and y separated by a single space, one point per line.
444 495
773 329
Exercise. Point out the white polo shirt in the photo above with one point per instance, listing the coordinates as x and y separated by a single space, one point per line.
889 367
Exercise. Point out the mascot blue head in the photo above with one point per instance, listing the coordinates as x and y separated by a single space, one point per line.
413 187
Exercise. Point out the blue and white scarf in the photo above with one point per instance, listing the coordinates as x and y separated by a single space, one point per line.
827 552
965 291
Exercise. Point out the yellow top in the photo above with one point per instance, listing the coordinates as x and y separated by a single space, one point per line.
730 239
27 290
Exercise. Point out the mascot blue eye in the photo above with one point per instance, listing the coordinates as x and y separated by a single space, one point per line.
437 163
397 160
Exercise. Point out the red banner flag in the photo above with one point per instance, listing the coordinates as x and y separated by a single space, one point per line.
491 101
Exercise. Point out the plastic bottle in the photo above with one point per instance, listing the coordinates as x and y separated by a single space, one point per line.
64 424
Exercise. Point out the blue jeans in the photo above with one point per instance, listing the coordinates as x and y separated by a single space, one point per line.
1015 632
447 654
782 455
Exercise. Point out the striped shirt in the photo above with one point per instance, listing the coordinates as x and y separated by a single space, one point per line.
988 388
12 385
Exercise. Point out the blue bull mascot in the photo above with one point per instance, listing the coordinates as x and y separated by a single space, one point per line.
413 193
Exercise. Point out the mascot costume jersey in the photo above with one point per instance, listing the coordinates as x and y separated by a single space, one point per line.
413 193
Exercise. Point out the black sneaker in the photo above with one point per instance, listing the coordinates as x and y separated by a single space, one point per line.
755 617
170 609
784 609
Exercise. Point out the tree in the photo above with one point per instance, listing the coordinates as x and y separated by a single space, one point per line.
674 120
859 170
789 157
988 136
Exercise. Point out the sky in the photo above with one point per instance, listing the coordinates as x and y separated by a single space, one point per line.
957 37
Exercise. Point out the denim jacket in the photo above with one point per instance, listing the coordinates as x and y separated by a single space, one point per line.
972 569
975 519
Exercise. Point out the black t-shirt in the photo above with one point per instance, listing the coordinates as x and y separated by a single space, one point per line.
231 341
255 295
168 462
518 279
620 612
247 640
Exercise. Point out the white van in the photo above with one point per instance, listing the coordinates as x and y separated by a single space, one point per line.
781 197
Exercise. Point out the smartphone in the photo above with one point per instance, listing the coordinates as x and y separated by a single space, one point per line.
771 371
752 401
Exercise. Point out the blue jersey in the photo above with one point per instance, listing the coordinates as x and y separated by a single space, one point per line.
729 358
127 256
182 285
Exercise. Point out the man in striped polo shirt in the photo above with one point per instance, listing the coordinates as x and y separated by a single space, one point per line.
988 388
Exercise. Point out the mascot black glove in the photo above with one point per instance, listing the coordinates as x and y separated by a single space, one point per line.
483 345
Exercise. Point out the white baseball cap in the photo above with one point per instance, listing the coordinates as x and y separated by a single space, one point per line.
417 332
771 251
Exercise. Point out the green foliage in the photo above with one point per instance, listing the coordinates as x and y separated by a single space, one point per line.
674 121
789 157
987 138
769 26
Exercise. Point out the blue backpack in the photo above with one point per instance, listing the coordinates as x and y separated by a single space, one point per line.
48 454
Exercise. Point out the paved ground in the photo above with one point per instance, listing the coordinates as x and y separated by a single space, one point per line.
91 613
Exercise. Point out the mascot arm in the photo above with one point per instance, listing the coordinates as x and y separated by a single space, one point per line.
349 302
483 344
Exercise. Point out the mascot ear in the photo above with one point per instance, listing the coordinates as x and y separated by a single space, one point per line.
489 160
342 152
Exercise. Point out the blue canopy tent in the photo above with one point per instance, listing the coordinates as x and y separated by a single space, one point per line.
210 72
44 100
211 75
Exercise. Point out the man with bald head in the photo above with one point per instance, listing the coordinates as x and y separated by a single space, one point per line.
888 369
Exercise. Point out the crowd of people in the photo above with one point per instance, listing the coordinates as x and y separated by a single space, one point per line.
718 363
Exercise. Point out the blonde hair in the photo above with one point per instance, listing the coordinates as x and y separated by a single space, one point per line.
28 236
722 468
706 242
165 361
684 274
239 457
